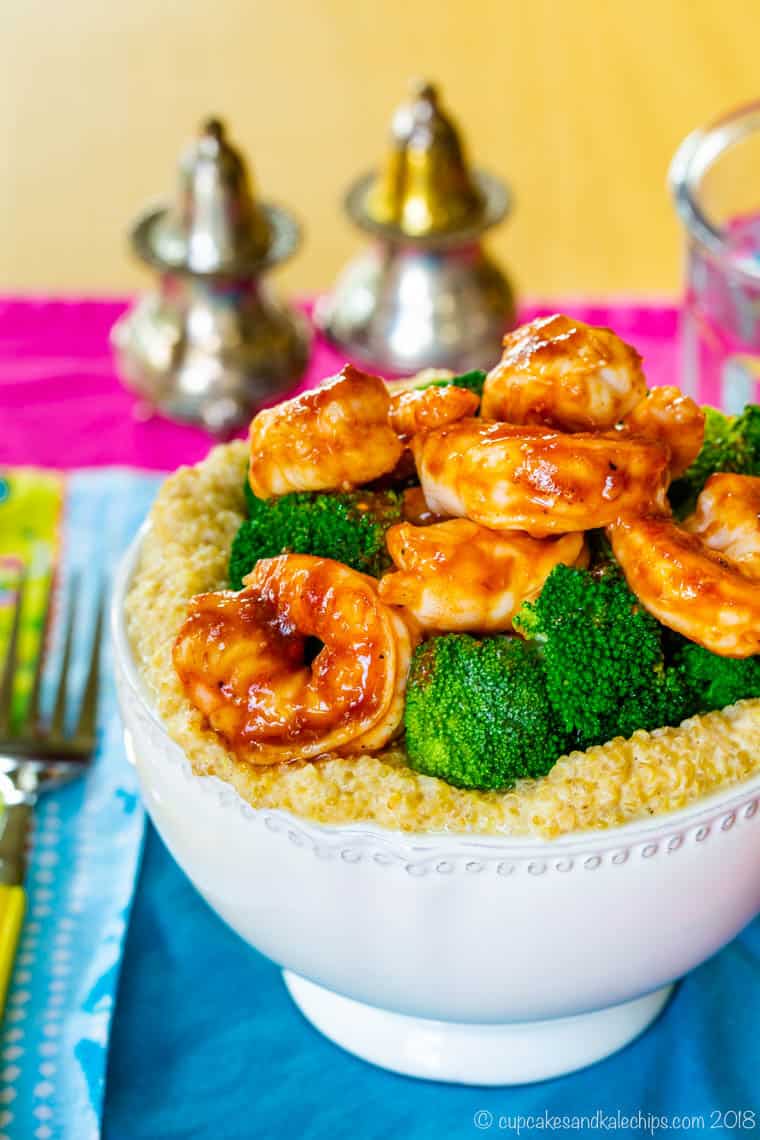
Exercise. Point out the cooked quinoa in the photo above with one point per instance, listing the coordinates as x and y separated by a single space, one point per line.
193 522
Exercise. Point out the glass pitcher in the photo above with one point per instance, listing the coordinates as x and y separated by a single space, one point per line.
715 181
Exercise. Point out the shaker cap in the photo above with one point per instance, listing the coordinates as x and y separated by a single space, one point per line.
426 189
215 225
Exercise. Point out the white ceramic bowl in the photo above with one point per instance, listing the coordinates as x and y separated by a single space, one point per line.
479 960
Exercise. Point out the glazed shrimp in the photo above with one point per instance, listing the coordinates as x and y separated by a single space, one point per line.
429 408
703 582
334 437
242 661
415 510
668 416
457 575
507 477
565 374
727 519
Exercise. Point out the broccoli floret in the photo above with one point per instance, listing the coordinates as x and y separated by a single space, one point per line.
347 527
668 700
477 712
472 381
714 681
732 443
603 654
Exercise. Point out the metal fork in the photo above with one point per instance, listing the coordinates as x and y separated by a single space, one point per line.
39 754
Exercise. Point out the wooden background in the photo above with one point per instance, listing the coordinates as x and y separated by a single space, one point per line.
579 103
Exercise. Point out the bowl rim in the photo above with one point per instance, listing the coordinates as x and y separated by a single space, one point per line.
726 801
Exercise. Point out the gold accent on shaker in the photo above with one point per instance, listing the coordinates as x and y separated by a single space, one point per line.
425 186
423 293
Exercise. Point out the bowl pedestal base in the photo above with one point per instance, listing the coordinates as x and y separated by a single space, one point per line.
509 1054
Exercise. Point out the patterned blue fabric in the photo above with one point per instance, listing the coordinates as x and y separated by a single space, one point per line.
207 1045
82 869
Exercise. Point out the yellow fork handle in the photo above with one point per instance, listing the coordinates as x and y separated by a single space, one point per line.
12 907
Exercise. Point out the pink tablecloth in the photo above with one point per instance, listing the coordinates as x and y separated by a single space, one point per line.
61 403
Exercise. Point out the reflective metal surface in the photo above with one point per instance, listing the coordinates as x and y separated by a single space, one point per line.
210 345
496 203
403 309
424 294
426 186
213 225
210 352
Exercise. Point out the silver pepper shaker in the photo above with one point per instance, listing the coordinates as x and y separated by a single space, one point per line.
210 343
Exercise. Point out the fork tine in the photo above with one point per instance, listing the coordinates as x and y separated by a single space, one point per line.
33 708
87 714
9 668
58 721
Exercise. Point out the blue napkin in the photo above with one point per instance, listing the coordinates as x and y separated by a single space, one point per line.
82 869
206 1044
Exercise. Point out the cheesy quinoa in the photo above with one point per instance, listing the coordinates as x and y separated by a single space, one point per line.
186 551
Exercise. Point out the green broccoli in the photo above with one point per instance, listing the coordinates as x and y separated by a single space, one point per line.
732 443
714 681
477 712
603 654
347 527
472 381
